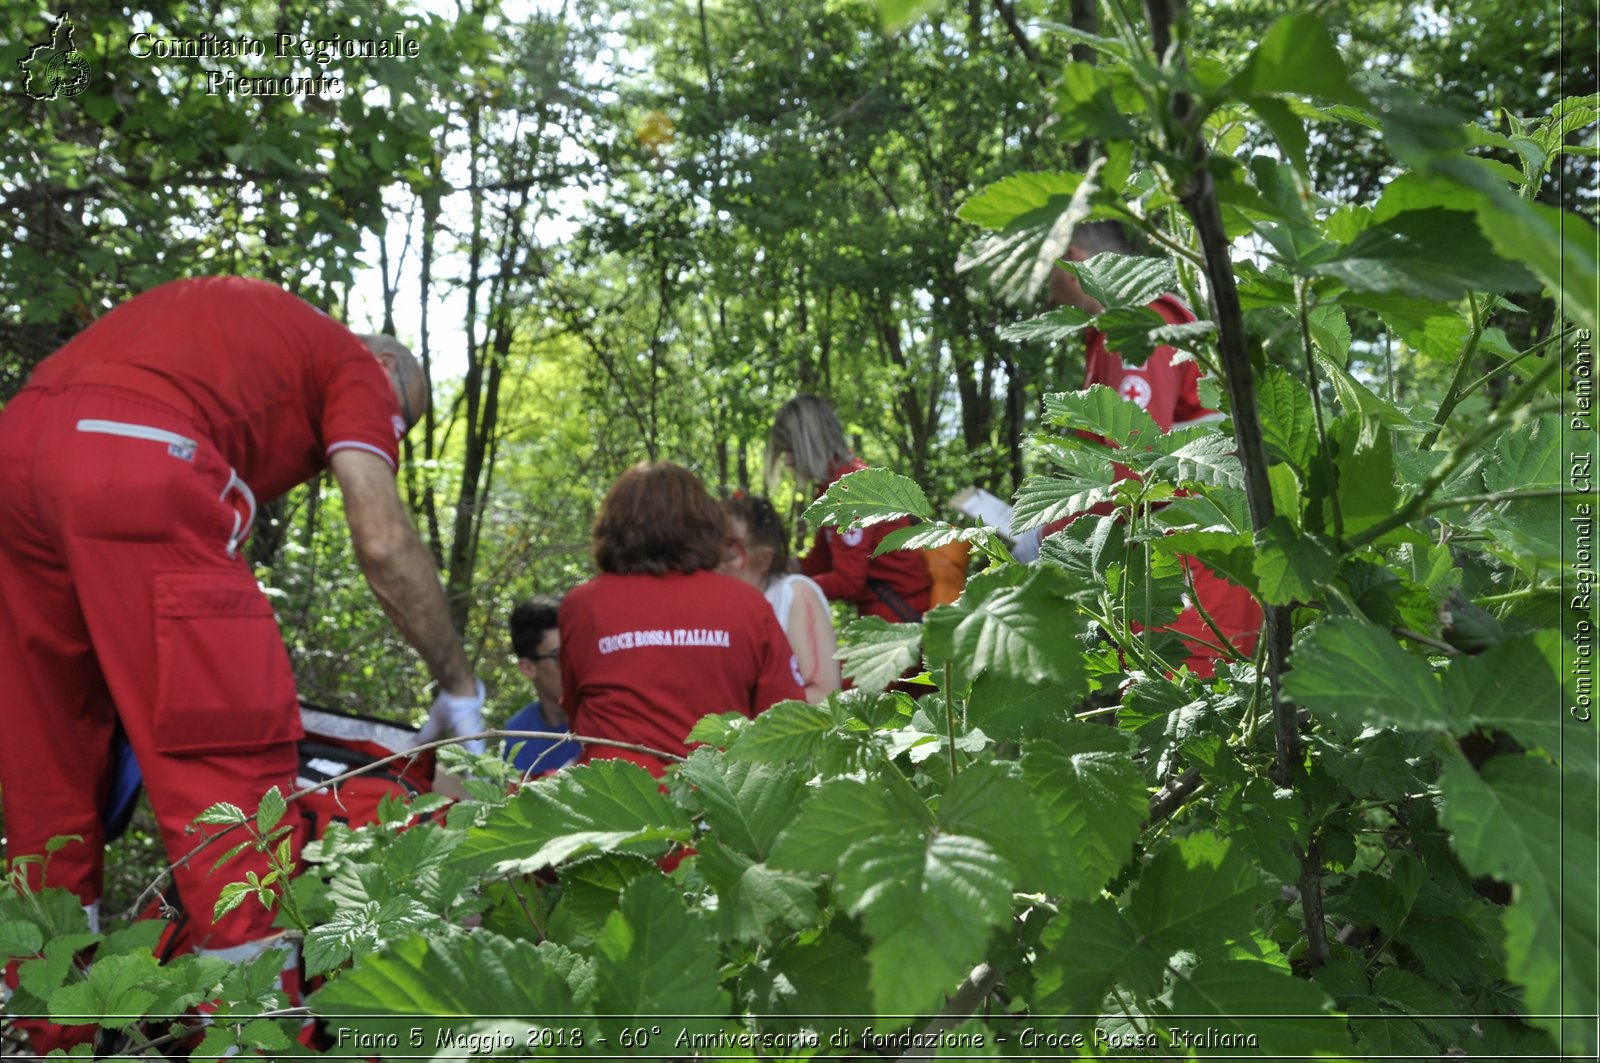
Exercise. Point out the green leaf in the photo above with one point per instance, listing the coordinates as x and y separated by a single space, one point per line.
1124 281
1557 245
1092 947
990 801
270 811
1511 688
113 994
876 653
1330 331
1101 411
931 534
1357 674
868 496
1036 214
1087 786
18 938
605 805
806 979
1292 566
929 905
1518 822
42 977
789 731
442 985
1206 461
1287 128
1020 197
1288 423
1526 457
747 804
843 814
1198 893
752 896
1431 254
657 958
1277 1013
353 932
1051 327
1084 482
1297 56
1131 332
222 814
1019 631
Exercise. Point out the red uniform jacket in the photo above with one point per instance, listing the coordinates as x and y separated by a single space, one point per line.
1170 394
843 566
644 657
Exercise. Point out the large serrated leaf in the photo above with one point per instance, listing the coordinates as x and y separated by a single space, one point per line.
929 905
1019 631
1102 412
932 534
1527 457
1020 197
1263 1010
1511 687
1297 56
752 896
746 803
1124 281
1051 327
1206 461
1288 420
1094 800
657 958
1292 566
1355 673
876 653
844 813
113 993
1517 822
1430 254
868 496
1090 948
441 986
990 801
1199 892
1083 479
789 731
606 805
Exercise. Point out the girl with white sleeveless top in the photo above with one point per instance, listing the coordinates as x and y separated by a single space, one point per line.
758 553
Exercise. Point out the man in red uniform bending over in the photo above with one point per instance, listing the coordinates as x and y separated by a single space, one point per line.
130 466
1170 394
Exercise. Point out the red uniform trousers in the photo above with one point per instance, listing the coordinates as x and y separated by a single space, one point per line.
122 597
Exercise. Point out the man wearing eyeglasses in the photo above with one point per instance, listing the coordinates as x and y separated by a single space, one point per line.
536 639
130 469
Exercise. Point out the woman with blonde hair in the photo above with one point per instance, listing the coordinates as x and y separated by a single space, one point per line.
758 553
807 438
659 638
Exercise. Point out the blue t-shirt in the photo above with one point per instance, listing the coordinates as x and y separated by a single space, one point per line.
540 754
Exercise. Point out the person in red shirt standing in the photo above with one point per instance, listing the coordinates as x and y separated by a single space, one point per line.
807 437
1170 393
130 466
659 638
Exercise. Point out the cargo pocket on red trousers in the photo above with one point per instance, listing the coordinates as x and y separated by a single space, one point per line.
223 677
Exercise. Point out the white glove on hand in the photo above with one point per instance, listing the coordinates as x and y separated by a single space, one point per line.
456 714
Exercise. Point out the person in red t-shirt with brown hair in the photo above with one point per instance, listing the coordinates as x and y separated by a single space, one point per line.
130 466
1169 392
807 437
659 638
